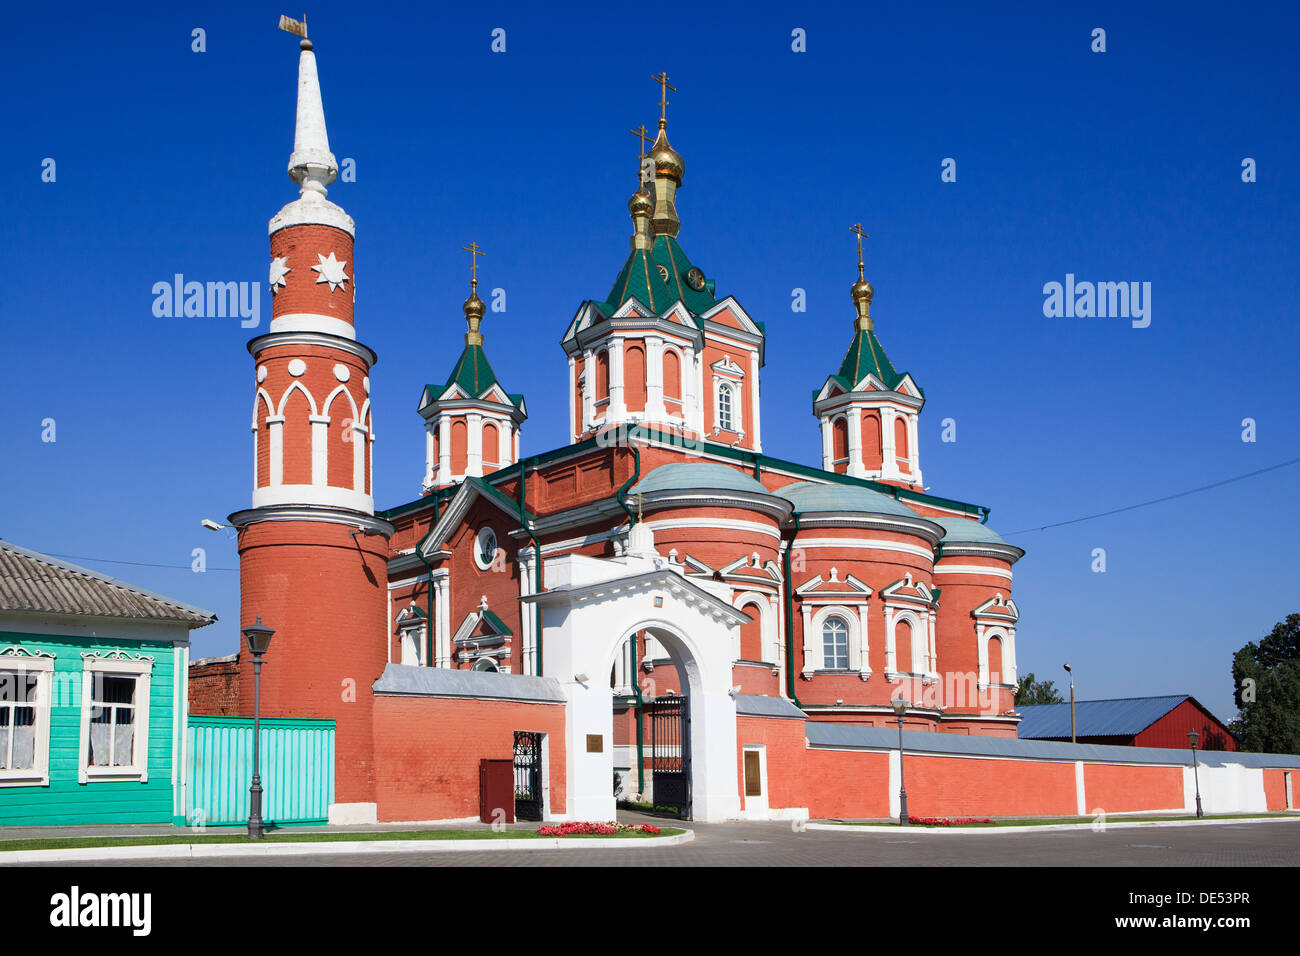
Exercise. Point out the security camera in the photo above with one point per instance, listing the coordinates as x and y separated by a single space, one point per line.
212 525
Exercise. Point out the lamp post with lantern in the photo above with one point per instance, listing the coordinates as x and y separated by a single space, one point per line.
258 637
900 708
1192 738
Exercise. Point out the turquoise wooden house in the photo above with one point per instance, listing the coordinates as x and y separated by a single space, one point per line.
93 696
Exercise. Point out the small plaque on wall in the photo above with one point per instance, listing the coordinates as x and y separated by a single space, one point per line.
595 744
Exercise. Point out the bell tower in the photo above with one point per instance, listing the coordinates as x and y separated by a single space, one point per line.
868 410
313 557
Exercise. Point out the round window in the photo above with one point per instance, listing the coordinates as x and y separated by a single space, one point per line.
485 548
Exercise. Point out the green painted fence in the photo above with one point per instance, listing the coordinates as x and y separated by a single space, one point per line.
297 770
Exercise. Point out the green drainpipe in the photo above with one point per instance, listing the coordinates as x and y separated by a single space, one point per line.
636 663
789 620
419 552
640 729
537 570
636 476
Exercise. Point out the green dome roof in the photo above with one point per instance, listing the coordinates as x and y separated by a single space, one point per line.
684 475
807 496
963 529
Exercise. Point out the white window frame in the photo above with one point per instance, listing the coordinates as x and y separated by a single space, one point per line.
828 621
117 664
478 547
855 618
25 662
732 412
418 634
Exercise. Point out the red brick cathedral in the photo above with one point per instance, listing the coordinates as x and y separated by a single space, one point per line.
658 596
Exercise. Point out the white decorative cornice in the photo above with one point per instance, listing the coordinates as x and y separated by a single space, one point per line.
116 655
15 650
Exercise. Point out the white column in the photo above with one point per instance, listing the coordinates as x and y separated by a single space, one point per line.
444 449
654 379
864 664
914 448
889 464
690 402
855 442
891 645
574 424
812 657
828 444
506 443
442 628
588 389
756 434
430 466
474 454
617 407
982 655
320 436
359 444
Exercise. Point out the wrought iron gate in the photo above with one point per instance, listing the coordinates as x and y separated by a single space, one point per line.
670 753
528 775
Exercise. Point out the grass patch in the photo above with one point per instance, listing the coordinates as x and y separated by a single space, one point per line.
77 843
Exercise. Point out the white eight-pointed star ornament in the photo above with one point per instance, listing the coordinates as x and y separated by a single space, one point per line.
331 271
278 271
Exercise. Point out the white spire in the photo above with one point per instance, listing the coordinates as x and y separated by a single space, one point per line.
312 166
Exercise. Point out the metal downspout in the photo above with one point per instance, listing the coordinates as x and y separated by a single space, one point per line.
537 571
636 663
419 552
789 619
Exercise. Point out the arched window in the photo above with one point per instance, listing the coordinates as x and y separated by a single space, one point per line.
751 634
835 644
491 444
903 647
901 451
871 447
485 664
672 374
634 378
602 375
995 660
725 421
839 440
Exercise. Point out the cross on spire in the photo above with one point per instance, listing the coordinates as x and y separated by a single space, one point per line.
644 135
662 80
474 252
857 229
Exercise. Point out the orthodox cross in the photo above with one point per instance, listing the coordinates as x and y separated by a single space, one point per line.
474 252
644 136
662 80
857 229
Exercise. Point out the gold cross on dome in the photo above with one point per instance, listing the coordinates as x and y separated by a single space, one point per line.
474 252
857 229
662 80
644 135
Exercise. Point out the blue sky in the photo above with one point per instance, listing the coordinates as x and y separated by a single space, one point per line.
1115 166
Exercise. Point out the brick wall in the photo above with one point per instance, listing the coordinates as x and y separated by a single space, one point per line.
427 752
214 687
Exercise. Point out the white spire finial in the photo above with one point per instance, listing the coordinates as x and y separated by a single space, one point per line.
312 166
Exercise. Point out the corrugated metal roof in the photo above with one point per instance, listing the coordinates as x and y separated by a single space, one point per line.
852 736
756 705
491 685
35 582
1122 717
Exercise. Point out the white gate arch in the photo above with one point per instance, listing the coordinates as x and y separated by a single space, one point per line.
590 608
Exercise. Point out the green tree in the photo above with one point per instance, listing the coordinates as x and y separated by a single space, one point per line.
1266 688
1035 691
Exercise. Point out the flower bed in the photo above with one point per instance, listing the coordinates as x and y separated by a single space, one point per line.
596 829
944 822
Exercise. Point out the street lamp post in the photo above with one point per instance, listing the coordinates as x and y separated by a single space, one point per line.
258 637
900 708
1192 738
1071 673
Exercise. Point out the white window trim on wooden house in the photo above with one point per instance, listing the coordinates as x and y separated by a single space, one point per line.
24 662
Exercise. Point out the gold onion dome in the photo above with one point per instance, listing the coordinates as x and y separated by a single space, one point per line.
862 292
667 161
474 316
641 204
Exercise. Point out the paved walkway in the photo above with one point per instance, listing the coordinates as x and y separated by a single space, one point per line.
783 844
